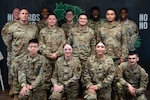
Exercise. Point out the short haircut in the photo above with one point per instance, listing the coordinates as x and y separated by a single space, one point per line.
111 9
16 8
95 8
44 8
33 41
69 11
82 14
124 9
24 9
52 14
133 53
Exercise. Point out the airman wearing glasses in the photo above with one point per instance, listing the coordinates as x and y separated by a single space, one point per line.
69 16
31 75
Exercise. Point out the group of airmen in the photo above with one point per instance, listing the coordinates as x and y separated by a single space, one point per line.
92 58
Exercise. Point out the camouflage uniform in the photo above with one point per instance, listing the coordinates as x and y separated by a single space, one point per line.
137 77
4 31
41 24
94 25
18 37
51 41
66 27
17 42
4 34
67 73
115 40
83 42
132 32
100 73
33 72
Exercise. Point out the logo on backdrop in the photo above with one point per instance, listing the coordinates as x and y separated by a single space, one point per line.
143 21
32 17
60 10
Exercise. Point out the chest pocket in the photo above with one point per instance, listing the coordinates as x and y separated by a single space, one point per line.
33 68
66 72
97 72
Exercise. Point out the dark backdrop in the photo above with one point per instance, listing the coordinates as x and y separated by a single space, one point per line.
135 7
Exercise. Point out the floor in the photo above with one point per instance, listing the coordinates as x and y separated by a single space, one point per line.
4 95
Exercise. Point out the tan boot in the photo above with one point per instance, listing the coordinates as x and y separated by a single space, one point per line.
45 95
16 97
116 97
11 90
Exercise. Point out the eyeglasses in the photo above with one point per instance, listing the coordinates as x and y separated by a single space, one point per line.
69 14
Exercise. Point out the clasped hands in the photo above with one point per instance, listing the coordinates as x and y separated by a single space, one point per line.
58 88
25 89
92 89
53 56
132 90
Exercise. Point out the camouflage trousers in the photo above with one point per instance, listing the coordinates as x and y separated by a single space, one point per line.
52 64
82 81
102 94
36 95
98 96
124 94
10 77
70 93
16 87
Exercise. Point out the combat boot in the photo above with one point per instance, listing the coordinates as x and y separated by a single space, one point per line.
15 97
116 97
11 90
45 95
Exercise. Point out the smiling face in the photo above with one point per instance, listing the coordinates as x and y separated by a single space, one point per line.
95 14
110 15
67 51
69 16
123 14
45 13
82 20
52 20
